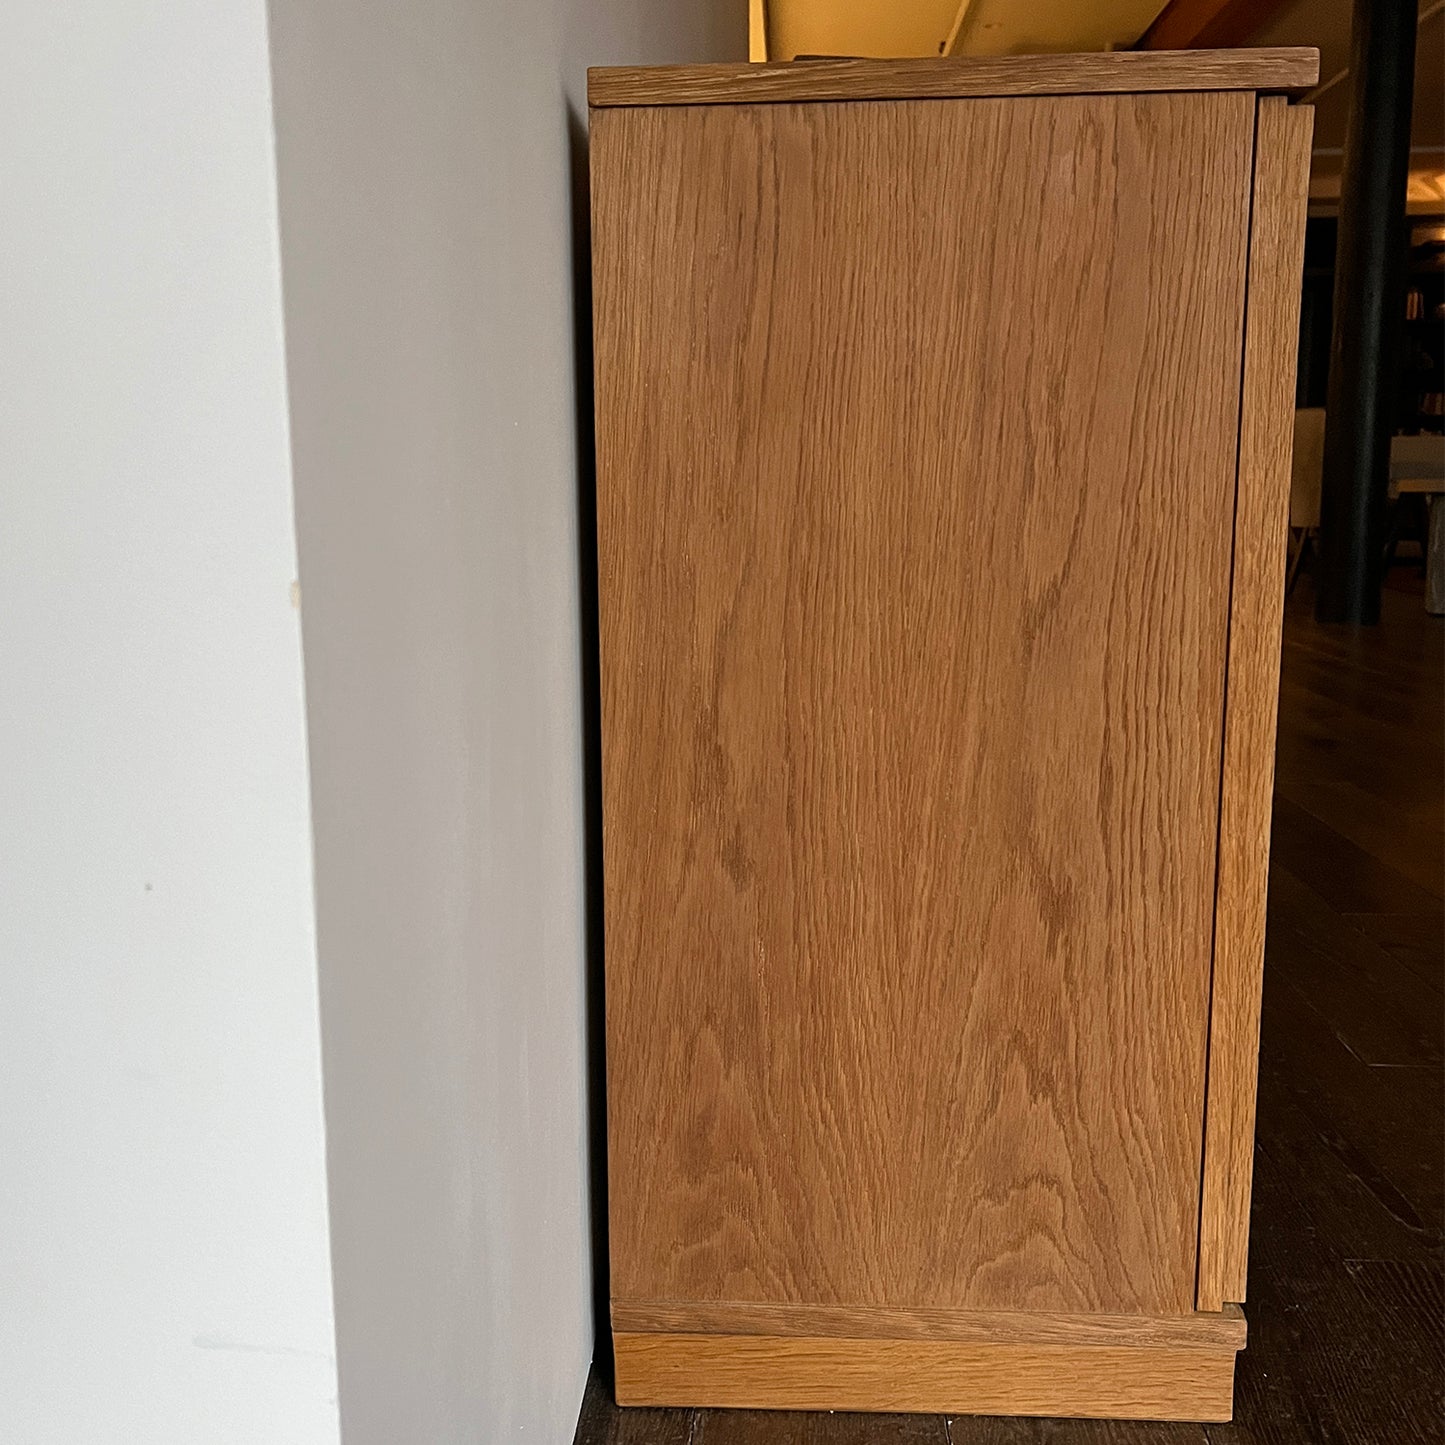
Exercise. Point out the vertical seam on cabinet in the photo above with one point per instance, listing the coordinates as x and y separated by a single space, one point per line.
1224 703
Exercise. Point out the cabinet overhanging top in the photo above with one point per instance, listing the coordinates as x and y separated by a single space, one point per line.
1290 71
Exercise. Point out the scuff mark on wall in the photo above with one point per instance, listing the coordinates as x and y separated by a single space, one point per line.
225 1342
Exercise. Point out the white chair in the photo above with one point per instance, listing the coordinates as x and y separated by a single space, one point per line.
1306 479
1417 466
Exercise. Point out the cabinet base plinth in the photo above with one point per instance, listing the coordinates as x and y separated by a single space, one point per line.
934 1376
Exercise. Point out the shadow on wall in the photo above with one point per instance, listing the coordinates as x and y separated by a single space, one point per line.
590 661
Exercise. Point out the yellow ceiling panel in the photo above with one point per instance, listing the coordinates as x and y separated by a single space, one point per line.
884 28
874 28
1016 27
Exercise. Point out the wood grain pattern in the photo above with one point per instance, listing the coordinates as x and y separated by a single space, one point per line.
1222 1331
793 1373
913 589
1288 70
1281 186
1345 1254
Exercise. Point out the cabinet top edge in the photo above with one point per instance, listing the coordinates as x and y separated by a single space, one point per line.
1290 71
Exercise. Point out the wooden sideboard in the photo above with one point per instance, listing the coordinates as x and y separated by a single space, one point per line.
943 428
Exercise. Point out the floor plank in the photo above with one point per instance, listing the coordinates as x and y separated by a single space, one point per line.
1412 938
964 1430
1384 1012
1337 868
602 1423
791 1427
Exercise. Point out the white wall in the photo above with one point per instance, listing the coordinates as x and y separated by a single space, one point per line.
426 214
163 1240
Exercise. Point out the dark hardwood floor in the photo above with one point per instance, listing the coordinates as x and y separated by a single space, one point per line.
1345 1296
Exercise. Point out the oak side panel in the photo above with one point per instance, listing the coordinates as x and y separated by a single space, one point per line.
915 494
1222 1331
1287 69
933 1376
1281 189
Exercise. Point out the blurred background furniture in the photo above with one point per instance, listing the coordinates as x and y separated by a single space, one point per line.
1304 487
1417 468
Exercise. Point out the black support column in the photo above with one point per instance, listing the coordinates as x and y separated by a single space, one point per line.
1369 301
